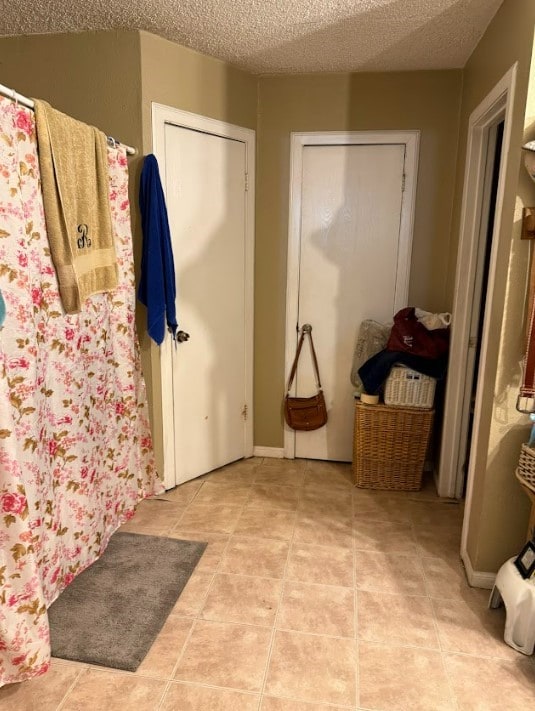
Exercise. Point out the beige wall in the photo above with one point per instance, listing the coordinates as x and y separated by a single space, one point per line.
179 77
428 101
93 76
499 511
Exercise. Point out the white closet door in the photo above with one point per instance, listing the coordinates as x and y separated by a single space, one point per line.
350 225
205 191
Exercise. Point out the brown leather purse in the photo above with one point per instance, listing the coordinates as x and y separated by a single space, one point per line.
305 413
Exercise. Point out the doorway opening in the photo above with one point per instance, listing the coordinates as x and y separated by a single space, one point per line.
488 214
489 139
489 132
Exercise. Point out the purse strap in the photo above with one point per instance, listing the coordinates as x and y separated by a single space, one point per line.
526 399
306 330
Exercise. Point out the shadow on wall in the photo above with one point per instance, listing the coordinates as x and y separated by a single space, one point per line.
410 40
353 280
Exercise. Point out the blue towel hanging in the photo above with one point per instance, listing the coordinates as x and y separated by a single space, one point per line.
157 287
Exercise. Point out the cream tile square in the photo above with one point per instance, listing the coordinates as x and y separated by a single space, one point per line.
337 494
439 541
266 523
274 496
44 693
189 697
396 619
210 517
231 477
492 684
437 513
446 579
468 626
312 668
389 573
154 517
251 601
270 703
243 472
255 556
192 598
109 691
329 474
320 564
384 536
322 530
167 647
183 494
244 464
377 506
280 474
326 508
394 678
227 494
289 464
228 655
337 503
318 609
217 542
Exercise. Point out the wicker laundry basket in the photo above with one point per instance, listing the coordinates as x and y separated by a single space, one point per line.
526 467
389 446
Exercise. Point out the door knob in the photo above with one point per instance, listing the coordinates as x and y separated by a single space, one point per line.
182 336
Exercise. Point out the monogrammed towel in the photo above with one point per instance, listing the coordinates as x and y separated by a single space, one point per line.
74 176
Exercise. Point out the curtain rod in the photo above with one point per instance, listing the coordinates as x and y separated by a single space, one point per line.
20 99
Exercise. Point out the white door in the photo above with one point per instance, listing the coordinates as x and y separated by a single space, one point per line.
351 204
205 177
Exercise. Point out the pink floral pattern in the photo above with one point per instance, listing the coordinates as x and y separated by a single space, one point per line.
75 446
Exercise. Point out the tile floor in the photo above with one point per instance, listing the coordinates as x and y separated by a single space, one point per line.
311 596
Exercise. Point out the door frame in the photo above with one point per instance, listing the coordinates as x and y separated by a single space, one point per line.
497 104
166 115
411 141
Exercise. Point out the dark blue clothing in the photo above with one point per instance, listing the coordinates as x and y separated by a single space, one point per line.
376 370
157 287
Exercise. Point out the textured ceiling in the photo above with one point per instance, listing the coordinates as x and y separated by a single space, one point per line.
291 36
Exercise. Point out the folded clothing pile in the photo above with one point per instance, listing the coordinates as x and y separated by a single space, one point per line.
418 340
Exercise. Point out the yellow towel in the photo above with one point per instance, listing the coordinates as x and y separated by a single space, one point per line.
74 174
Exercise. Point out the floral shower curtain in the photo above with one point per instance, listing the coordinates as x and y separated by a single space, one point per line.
75 445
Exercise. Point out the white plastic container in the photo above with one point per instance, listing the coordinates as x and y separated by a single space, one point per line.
408 388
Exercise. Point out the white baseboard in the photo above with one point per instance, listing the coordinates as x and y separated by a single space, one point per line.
477 578
275 452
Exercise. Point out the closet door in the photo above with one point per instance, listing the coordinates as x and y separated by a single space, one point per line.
205 191
351 201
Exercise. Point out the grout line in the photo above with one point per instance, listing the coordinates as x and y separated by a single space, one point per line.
449 682
355 613
277 613
175 667
71 687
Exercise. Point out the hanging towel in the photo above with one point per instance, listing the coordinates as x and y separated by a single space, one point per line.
74 175
157 288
